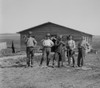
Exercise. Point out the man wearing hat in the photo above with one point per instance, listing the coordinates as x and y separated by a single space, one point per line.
82 48
71 50
47 44
60 50
30 45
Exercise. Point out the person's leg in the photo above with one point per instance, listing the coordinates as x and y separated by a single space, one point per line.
43 56
41 61
48 55
59 57
73 59
82 62
27 52
78 60
66 57
28 57
62 58
47 59
28 60
69 57
54 57
32 57
83 56
80 57
69 60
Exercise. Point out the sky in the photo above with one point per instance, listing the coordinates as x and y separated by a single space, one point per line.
82 15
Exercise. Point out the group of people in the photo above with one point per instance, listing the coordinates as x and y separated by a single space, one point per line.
60 49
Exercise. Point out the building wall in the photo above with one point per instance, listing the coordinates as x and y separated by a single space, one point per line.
40 32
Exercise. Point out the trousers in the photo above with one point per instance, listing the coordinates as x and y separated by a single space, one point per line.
30 55
81 56
70 55
46 55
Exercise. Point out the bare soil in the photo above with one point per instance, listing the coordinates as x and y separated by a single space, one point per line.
13 74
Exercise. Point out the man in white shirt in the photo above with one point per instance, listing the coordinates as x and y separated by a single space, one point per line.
85 44
47 44
30 45
70 50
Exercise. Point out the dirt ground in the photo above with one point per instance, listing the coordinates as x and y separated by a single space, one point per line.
13 74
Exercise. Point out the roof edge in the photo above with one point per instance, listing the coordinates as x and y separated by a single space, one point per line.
55 24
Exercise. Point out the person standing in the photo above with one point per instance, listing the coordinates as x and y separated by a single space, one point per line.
54 39
71 50
82 50
59 50
30 45
13 47
47 44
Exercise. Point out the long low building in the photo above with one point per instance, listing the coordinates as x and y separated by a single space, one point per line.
41 30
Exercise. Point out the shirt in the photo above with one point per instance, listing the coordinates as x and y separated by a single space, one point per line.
48 42
59 46
54 40
86 45
31 42
71 44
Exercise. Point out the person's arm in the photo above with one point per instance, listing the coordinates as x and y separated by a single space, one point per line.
35 41
74 45
52 44
57 43
63 43
43 43
25 39
66 44
87 44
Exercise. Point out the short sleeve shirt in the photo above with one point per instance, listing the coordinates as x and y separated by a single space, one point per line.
30 42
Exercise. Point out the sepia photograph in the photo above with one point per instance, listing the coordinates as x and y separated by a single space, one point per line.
49 43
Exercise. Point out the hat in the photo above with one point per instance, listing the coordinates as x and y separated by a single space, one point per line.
29 32
60 36
48 35
70 36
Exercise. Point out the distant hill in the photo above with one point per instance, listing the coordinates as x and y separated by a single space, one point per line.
9 37
96 42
